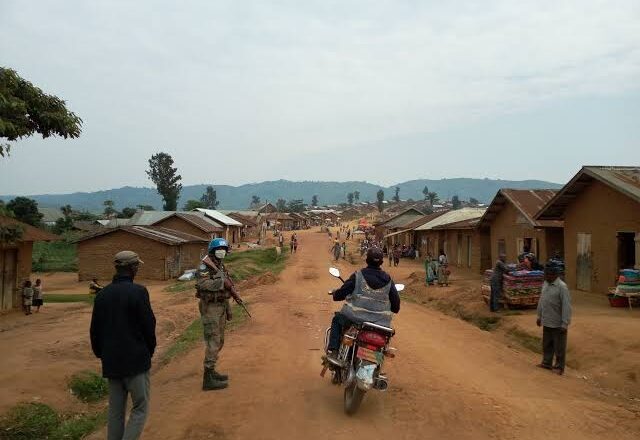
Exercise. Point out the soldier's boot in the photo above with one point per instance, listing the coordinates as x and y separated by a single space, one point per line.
210 383
218 376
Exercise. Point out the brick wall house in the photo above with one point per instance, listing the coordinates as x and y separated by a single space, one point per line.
165 252
15 260
600 208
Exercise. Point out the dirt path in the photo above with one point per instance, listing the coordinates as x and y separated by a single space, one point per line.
450 379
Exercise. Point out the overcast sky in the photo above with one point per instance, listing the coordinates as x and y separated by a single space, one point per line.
383 91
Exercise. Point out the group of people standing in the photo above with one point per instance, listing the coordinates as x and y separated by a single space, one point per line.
32 296
437 269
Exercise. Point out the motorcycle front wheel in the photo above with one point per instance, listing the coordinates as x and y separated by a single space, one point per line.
352 398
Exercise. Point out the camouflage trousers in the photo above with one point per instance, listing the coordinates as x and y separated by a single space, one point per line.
214 318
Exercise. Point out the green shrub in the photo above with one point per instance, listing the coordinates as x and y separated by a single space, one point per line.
88 386
28 421
77 426
68 298
55 256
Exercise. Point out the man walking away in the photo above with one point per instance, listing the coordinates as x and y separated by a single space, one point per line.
123 336
496 282
554 315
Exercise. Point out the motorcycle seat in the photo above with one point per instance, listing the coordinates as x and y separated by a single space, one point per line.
378 328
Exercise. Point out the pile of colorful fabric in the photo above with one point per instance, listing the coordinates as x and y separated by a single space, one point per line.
523 283
628 282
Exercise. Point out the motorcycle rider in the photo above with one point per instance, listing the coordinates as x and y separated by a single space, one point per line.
214 289
370 296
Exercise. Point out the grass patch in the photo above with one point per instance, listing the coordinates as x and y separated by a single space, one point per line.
88 386
55 256
181 286
68 298
243 265
28 421
193 334
483 322
526 340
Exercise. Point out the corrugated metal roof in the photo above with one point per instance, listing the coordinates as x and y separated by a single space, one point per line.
402 219
248 214
29 233
450 217
246 221
425 219
148 218
156 233
527 201
200 221
219 217
464 224
625 179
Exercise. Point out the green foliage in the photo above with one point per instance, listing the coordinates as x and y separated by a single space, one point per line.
109 210
296 205
25 110
192 335
243 265
25 210
88 386
69 297
350 198
77 426
314 200
210 198
127 212
28 421
255 201
455 202
433 198
10 233
281 205
55 256
63 224
84 215
166 178
396 197
473 201
425 192
181 286
380 198
356 196
193 204
145 207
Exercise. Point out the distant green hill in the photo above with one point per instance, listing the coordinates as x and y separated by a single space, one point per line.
239 197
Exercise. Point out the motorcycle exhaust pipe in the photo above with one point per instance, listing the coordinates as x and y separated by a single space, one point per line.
381 384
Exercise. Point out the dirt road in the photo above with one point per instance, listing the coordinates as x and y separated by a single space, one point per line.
450 379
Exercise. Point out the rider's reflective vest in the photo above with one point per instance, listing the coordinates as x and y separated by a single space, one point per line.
365 304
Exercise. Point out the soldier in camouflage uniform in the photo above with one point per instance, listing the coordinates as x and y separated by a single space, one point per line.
214 288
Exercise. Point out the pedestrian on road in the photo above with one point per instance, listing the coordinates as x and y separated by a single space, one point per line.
496 282
554 315
337 250
123 337
27 297
37 295
396 255
214 288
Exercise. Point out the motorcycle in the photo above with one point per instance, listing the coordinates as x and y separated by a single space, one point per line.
358 364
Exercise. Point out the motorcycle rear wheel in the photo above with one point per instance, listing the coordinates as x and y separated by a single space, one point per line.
352 399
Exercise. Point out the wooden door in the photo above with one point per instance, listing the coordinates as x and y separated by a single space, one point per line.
8 271
584 263
469 251
459 251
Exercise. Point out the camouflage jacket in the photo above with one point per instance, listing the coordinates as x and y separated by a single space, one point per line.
210 284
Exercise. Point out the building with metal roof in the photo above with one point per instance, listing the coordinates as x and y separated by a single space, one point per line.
513 226
16 247
166 252
600 208
232 228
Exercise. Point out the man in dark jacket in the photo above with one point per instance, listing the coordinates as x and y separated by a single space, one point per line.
123 337
370 295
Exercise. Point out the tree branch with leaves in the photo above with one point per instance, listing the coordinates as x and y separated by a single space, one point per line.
166 178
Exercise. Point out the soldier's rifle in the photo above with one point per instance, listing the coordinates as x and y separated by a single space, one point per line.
232 291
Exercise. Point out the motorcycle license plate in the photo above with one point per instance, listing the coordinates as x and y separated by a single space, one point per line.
369 355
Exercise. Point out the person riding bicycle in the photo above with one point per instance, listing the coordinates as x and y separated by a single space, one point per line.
370 296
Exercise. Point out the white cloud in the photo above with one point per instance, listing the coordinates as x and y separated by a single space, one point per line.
281 78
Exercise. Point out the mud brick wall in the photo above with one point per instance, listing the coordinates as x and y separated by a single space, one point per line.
95 256
601 211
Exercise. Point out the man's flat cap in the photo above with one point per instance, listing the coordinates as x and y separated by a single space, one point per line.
127 258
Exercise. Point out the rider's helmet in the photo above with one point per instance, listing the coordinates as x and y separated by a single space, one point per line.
218 243
375 257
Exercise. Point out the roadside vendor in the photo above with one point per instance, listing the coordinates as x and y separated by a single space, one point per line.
496 282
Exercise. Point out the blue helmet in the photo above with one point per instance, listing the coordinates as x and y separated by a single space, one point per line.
218 243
